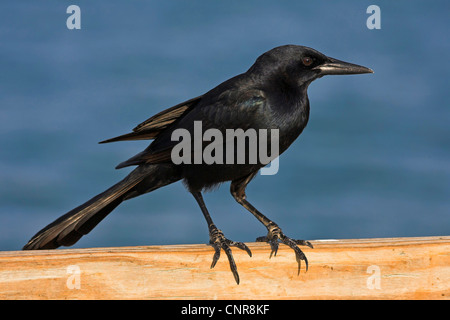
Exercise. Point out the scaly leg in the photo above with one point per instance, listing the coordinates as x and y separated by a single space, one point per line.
218 240
274 233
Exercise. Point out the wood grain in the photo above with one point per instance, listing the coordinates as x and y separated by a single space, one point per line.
389 268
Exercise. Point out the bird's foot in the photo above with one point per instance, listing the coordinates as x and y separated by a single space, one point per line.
218 241
275 234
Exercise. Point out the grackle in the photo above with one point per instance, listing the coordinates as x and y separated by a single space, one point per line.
272 94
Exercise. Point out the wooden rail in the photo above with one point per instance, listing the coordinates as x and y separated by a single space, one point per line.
390 268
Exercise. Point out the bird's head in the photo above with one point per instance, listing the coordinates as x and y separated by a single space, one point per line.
300 65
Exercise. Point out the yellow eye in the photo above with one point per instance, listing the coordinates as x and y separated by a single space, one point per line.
307 61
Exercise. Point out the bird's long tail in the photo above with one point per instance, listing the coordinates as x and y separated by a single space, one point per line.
69 228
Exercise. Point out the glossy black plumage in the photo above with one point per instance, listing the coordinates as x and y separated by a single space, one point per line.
272 94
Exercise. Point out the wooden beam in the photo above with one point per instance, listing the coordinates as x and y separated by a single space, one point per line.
391 268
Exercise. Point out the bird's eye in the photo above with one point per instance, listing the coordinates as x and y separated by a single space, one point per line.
307 61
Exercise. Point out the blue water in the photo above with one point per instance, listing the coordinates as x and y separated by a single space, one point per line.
374 160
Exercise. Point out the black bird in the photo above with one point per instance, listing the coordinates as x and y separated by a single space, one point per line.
272 94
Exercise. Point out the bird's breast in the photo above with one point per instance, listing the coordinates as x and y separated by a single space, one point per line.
290 119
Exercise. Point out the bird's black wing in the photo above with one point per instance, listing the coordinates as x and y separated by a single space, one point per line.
215 111
150 128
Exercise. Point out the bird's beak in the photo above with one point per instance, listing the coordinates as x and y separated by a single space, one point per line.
334 66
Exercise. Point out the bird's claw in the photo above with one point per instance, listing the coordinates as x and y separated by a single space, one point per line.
275 235
218 242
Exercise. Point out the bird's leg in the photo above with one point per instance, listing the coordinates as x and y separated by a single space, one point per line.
274 233
218 240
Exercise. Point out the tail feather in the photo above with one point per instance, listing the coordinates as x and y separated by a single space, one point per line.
69 228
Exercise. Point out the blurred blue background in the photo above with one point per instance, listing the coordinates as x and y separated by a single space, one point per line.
373 161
